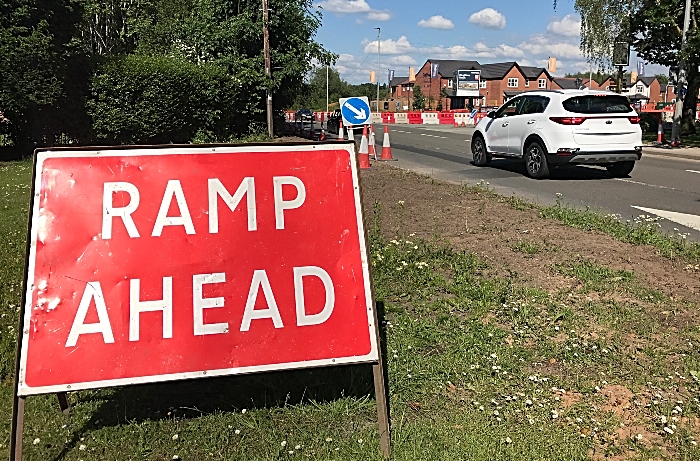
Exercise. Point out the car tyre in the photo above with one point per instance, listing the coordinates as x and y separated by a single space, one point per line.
536 160
620 169
479 154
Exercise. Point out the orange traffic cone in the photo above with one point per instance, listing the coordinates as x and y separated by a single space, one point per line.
322 137
351 133
372 147
341 134
386 146
363 154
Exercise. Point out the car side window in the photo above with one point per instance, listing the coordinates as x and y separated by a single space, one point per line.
510 108
534 105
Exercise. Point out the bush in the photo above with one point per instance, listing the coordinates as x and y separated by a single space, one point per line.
649 123
159 99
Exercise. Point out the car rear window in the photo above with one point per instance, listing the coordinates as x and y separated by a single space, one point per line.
598 104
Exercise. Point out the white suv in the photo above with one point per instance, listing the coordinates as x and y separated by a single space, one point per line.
551 128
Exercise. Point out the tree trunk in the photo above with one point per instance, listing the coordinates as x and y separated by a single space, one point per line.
691 101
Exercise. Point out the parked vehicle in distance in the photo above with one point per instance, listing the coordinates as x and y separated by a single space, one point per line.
334 122
304 115
551 128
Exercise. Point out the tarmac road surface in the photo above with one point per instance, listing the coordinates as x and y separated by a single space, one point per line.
658 185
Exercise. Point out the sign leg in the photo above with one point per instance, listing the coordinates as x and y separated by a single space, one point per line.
63 403
17 430
381 388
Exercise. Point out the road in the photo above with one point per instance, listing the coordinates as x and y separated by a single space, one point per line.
660 183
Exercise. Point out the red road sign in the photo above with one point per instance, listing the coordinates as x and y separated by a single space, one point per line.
157 264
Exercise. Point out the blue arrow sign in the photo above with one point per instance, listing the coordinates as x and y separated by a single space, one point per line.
355 111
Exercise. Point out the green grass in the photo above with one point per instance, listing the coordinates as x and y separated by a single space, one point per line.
643 230
469 359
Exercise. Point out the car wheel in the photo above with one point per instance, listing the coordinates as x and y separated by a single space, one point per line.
479 154
536 160
620 169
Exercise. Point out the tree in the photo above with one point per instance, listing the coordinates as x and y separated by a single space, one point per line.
418 98
37 66
656 29
602 22
663 79
598 77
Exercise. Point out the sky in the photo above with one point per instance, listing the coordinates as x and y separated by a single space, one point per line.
413 31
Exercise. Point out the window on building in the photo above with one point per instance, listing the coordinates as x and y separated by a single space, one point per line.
542 83
449 84
482 84
640 88
512 83
527 82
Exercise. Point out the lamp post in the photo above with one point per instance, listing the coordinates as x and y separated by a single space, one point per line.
268 71
378 56
678 113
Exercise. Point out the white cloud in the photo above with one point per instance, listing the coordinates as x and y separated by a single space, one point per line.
389 46
345 6
569 26
402 60
375 15
541 45
436 22
488 18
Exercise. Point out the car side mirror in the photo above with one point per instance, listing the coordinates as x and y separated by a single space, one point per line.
491 114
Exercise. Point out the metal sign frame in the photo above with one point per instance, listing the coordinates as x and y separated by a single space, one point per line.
375 358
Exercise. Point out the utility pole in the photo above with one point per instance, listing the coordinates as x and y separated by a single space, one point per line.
268 70
378 56
326 87
678 113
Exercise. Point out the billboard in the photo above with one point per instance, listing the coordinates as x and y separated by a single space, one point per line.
166 263
466 83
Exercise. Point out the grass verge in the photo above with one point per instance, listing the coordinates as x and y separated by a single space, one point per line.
480 368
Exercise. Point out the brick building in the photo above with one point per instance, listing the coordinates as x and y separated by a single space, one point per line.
499 82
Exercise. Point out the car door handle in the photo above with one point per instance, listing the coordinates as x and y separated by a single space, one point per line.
505 124
530 122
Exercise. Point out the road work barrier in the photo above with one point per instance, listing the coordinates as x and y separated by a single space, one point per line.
388 117
446 118
415 118
430 118
462 119
376 117
401 117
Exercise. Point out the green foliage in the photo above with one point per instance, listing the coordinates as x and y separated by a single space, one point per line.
656 29
663 79
37 65
649 123
598 77
49 50
418 98
313 93
149 99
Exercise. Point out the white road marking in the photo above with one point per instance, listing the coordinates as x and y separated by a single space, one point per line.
684 219
644 184
692 171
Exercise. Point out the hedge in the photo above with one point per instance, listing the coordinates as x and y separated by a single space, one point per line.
160 99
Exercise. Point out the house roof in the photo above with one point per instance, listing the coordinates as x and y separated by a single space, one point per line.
397 81
534 72
646 80
511 93
447 67
497 70
566 83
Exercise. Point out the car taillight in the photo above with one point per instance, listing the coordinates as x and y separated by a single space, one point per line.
568 120
635 120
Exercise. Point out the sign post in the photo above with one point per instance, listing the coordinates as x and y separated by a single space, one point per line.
187 262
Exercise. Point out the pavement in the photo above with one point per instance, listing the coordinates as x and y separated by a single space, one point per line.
690 153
